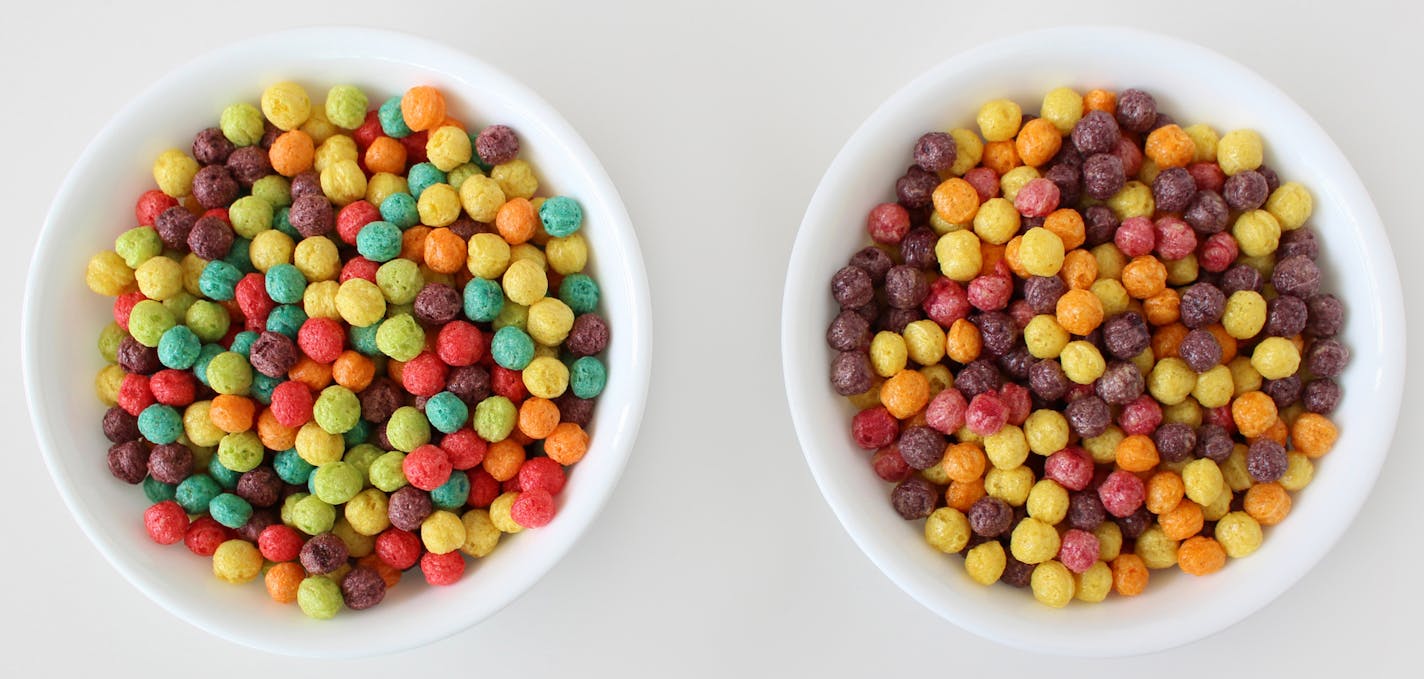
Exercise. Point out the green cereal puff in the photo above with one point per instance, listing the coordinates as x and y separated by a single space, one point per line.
230 373
579 292
319 597
393 310
240 452
285 284
250 216
452 494
195 492
387 472
240 255
289 506
179 304
361 455
230 510
312 516
512 316
561 216
275 190
148 320
446 412
336 409
179 348
157 491
263 386
282 221
286 319
512 348
379 241
494 418
208 320
346 106
336 482
399 280
457 176
202 455
484 299
357 434
242 342
219 280
422 176
138 245
363 340
242 124
291 468
400 209
225 477
392 120
205 356
408 429
401 338
587 377
111 336
160 424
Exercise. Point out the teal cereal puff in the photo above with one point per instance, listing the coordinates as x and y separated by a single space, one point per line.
580 292
401 209
230 510
291 468
219 280
379 241
452 494
160 424
484 299
512 348
242 342
285 284
195 492
561 216
446 412
422 176
392 120
286 319
587 377
157 491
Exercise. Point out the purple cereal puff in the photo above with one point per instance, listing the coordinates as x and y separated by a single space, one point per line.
905 287
1042 293
1241 277
1136 110
1207 213
1103 176
1016 364
261 487
437 304
1126 335
873 261
1135 524
1202 304
1326 358
312 215
1069 180
915 188
1273 180
1200 350
324 553
1175 441
306 184
851 373
273 354
248 164
270 133
1298 276
408 506
1085 510
1327 315
120 426
258 522
1320 395
852 287
935 151
1161 121
895 320
588 336
1286 316
1284 391
1245 191
849 331
918 249
1298 242
1096 132
1121 383
1088 416
128 461
134 357
1068 154
1266 460
382 397
1016 573
914 498
214 187
921 447
497 144
990 517
173 226
467 228
470 383
362 588
1173 189
1099 225
574 409
170 463
210 238
997 331
1047 380
1213 443
211 147
979 376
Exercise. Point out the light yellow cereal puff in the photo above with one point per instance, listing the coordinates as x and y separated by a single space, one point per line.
1244 377
1041 252
456 177
481 535
1234 471
1149 171
1134 199
1239 151
549 321
360 302
1203 481
1218 509
317 258
1291 205
159 278
1046 431
319 300
938 376
286 105
997 221
516 178
1239 534
1109 536
442 532
1156 549
528 251
500 513
1299 471
1063 107
1171 380
1113 296
1103 447
1257 233
1275 358
999 119
439 205
525 283
1034 541
1045 337
368 512
1245 314
336 148
317 446
1204 141
481 197
936 474
1052 584
1006 448
1110 261
107 383
567 255
1144 361
968 150
924 342
1214 387
947 530
1015 179
888 353
1082 362
985 562
1048 502
940 226
448 148
383 185
959 255
1182 271
1094 584
270 248
343 182
488 255
107 274
1010 485
174 171
318 127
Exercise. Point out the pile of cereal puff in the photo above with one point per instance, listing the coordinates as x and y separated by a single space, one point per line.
347 341
1089 345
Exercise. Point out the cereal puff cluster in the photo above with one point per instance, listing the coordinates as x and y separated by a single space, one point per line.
1089 345
349 338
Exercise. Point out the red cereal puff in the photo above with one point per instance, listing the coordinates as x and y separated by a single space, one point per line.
1037 198
173 387
1136 236
204 535
1078 550
442 569
945 412
874 428
1221 417
1141 416
1122 493
358 267
459 344
509 384
990 292
279 542
424 375
152 203
1218 252
322 339
1130 155
985 182
252 299
1019 402
986 414
415 147
124 304
483 488
890 465
946 303
541 473
397 548
427 467
1071 468
166 522
464 448
1208 176
888 223
351 218
1175 238
510 485
134 394
220 213
292 403
533 508
368 131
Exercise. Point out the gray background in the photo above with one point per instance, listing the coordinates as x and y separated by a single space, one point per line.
715 120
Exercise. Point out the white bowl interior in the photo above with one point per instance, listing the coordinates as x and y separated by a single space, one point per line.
63 319
1194 85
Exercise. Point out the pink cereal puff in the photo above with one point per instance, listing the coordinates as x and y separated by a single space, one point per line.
1130 155
985 182
1019 402
533 508
890 465
1078 550
1208 176
1218 252
1121 493
888 223
945 412
1071 468
1135 237
442 569
946 302
1037 198
1175 238
1141 416
874 428
986 414
990 292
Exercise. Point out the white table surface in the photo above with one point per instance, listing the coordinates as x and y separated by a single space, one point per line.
716 554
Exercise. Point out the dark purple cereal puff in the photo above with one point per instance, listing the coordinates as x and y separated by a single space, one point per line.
134 357
382 397
128 461
849 331
1200 350
362 588
214 187
574 409
1126 335
1300 242
437 304
1266 460
1096 132
588 336
1121 383
1320 395
1326 316
211 147
873 261
270 133
1088 416
1099 225
173 226
1245 191
990 517
1016 364
905 287
1286 316
915 188
1202 304
1326 358
1284 391
1162 120
1135 524
1042 293
306 184
120 426
324 553
1069 180
261 487
1103 176
170 463
273 354
1047 380
210 238
852 287
1241 277
1085 510
914 498
997 332
312 215
935 151
1207 213
851 373
258 522
466 228
1213 442
407 507
1298 276
1136 110
248 164
497 144
470 383
1273 180
921 447
895 320
1175 441
1173 189
918 249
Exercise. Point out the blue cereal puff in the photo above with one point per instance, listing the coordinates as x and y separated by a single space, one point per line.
512 348
263 386
561 216
484 299
285 284
239 255
446 412
587 377
286 319
282 221
242 342
401 209
205 356
219 280
392 120
157 491
357 435
363 339
225 477
452 494
230 510
291 468
179 347
160 424
195 492
379 241
422 176
580 292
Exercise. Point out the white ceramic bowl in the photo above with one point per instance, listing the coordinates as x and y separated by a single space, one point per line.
1193 84
63 318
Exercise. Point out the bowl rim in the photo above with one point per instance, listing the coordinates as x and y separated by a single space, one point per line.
355 42
805 382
